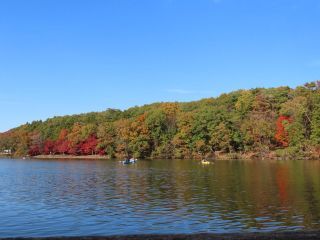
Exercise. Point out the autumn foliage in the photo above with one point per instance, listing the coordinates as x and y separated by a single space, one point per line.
244 121
64 146
282 135
88 147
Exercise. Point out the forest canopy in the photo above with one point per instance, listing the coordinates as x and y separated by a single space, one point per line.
281 121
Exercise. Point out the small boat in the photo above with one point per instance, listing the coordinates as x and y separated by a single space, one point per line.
129 161
205 162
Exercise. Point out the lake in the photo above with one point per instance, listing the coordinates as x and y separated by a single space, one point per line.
77 198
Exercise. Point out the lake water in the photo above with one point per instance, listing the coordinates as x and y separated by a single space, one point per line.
73 198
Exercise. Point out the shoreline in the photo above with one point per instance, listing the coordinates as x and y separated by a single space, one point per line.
206 236
217 157
70 157
222 157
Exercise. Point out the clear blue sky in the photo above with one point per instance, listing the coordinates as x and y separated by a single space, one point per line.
70 56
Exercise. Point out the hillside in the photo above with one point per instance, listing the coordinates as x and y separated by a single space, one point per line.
281 122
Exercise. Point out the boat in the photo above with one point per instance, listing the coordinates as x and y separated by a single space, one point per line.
129 161
205 162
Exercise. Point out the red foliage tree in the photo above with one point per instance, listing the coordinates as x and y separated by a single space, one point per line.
62 147
101 152
34 150
62 144
49 146
36 144
88 147
74 149
282 135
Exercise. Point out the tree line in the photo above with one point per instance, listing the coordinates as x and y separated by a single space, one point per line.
275 121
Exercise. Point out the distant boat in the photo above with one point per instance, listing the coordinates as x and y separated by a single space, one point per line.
129 161
6 152
205 162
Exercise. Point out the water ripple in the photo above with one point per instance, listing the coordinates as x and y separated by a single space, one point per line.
73 198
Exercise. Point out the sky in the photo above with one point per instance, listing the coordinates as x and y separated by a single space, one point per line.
61 57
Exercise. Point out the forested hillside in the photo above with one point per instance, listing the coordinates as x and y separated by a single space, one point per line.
271 122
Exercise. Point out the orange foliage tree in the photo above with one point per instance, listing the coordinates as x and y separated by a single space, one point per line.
282 135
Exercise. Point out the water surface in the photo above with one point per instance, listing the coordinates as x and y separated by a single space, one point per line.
76 198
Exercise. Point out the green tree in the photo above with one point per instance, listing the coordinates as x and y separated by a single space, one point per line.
107 134
315 122
221 138
298 129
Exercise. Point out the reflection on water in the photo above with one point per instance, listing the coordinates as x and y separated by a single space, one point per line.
72 198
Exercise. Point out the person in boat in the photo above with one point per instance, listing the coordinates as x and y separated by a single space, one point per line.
127 161
205 161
